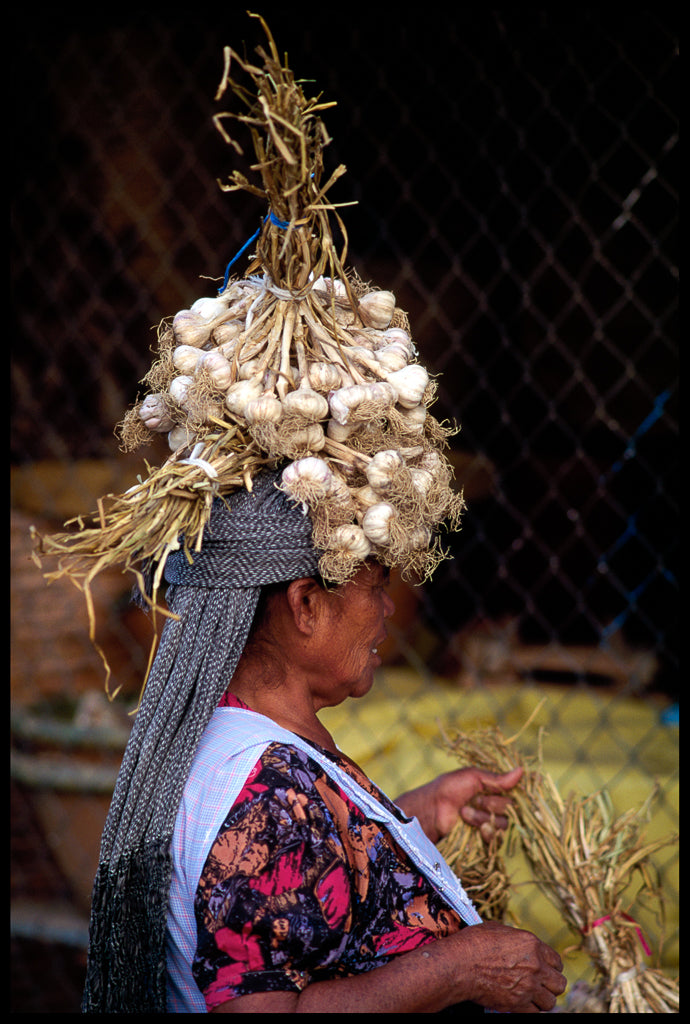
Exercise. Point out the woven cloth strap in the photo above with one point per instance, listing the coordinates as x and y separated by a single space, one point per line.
250 550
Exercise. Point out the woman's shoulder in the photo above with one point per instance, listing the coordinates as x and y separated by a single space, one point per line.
304 756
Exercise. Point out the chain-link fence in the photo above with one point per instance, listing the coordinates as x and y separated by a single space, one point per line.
515 174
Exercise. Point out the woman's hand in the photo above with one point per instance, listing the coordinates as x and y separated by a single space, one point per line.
474 794
510 970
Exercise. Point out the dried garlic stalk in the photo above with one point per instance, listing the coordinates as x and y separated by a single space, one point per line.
583 858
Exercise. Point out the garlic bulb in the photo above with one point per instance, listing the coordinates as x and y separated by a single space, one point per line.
341 494
422 480
306 404
323 376
360 401
367 337
264 409
180 437
392 357
377 522
410 384
330 285
227 348
216 365
309 438
352 540
398 336
179 387
307 479
434 463
364 498
361 354
382 469
339 431
241 392
190 329
344 400
209 308
414 418
226 332
376 308
154 414
249 369
418 538
185 358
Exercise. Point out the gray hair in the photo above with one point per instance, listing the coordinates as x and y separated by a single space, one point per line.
253 539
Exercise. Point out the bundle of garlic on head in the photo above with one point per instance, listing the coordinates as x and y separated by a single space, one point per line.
296 364
344 402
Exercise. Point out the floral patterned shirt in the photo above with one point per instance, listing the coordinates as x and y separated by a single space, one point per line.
301 886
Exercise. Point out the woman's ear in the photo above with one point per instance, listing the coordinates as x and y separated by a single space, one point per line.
306 601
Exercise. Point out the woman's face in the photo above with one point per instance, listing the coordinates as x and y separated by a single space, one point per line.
350 633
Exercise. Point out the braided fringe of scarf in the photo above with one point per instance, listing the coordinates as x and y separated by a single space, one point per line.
195 662
196 659
131 901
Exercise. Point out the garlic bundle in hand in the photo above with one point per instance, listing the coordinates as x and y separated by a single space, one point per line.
154 414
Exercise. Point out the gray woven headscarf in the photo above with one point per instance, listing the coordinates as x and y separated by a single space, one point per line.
253 539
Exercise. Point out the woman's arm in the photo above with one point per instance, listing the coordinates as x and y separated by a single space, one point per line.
500 968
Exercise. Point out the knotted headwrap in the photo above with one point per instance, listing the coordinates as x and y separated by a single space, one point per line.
253 539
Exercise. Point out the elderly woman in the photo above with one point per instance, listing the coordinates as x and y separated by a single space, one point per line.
248 865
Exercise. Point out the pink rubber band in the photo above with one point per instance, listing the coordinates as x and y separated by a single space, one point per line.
643 941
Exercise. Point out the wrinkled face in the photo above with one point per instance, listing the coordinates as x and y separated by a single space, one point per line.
353 628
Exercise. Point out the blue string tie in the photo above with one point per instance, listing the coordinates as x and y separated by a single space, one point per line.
284 224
